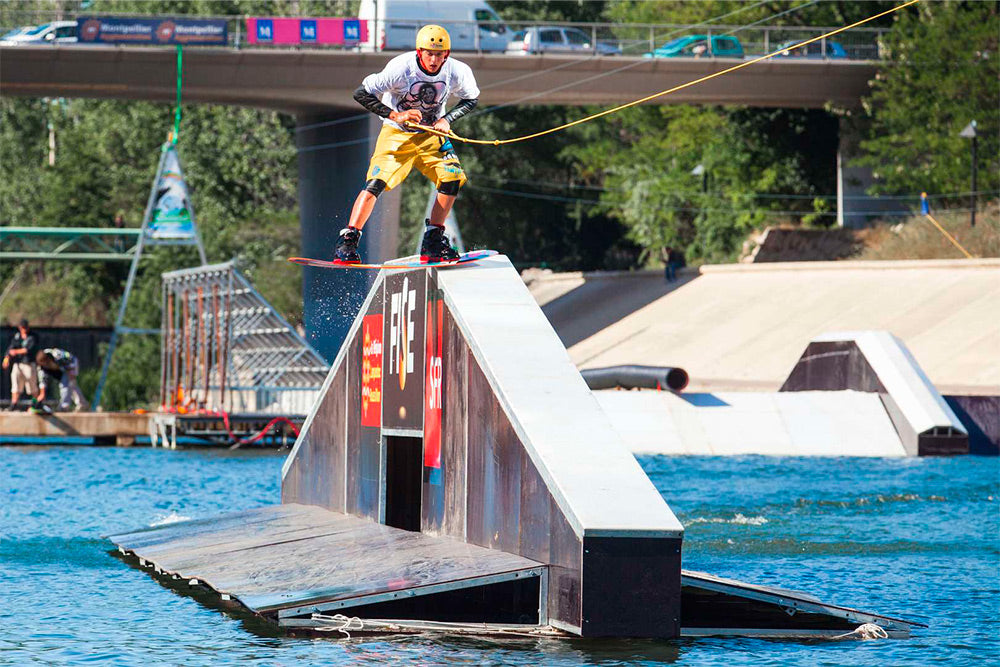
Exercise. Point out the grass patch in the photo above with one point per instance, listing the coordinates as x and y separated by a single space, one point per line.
918 238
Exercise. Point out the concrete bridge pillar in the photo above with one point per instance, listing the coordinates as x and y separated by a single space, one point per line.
333 149
854 207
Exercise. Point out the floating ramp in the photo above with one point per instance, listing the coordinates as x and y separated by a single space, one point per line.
294 560
456 468
302 566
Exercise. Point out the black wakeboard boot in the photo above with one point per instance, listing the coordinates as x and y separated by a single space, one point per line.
436 247
346 251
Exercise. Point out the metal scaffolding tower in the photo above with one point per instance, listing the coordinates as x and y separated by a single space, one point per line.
225 348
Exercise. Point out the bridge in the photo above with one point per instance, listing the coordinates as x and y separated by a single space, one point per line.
316 81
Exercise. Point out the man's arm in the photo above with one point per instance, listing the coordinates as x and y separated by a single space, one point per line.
372 103
463 108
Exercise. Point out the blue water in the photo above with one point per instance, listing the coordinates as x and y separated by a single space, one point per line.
915 538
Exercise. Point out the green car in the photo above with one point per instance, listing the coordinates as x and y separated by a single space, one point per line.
697 46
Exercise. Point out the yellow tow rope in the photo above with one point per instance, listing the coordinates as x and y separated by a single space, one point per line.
500 142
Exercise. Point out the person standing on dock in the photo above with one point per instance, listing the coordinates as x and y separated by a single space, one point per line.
414 88
63 367
20 359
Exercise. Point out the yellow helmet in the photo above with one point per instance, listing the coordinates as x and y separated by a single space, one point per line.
433 38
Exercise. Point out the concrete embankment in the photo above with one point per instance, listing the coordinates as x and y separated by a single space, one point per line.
736 327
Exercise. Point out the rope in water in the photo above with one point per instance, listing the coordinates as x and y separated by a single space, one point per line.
607 112
865 631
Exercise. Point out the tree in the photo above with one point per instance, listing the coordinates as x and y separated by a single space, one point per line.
645 163
943 71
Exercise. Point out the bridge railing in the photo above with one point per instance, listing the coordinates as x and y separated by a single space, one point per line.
609 39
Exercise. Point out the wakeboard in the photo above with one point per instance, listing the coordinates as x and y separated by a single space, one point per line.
402 263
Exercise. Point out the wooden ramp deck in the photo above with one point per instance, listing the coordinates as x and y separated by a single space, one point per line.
294 560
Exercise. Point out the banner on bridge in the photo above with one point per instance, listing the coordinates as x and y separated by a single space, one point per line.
157 30
336 32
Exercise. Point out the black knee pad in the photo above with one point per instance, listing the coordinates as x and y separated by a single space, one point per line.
376 186
450 188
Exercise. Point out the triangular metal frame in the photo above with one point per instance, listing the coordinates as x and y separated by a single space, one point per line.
144 240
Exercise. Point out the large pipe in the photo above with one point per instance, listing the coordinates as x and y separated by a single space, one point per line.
636 377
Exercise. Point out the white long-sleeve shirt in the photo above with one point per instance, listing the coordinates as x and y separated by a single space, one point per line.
404 85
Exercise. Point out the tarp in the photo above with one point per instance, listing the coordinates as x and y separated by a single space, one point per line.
306 31
171 216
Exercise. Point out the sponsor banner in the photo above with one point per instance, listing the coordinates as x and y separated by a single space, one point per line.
171 216
433 383
371 370
306 31
403 351
158 30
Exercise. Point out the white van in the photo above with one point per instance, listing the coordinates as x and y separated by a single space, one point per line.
393 24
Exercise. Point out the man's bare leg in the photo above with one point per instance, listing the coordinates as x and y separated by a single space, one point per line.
362 210
441 208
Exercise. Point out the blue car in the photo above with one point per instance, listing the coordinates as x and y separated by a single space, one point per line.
814 50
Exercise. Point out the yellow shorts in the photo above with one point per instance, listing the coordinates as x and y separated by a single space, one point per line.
396 152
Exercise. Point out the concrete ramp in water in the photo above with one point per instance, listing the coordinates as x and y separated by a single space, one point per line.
743 327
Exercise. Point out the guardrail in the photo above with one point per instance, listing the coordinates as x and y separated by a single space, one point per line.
604 39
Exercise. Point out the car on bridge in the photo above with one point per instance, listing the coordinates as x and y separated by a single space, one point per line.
699 46
393 24
8 37
57 32
813 51
557 39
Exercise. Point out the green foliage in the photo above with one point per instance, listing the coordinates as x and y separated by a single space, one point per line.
647 157
943 71
586 11
240 168
524 197
726 12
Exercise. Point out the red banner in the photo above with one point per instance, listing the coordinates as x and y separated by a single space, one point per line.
371 371
433 380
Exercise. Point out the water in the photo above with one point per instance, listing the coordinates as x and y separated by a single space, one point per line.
915 538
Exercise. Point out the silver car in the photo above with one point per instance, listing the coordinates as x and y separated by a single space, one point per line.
57 32
556 39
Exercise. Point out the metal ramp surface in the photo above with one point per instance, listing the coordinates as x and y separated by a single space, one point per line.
293 560
715 606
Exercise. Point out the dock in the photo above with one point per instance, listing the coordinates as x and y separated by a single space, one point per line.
106 428
158 429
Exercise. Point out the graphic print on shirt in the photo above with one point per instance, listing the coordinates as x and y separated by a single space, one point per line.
426 97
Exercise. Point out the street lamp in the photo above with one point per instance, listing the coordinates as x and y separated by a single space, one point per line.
970 133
